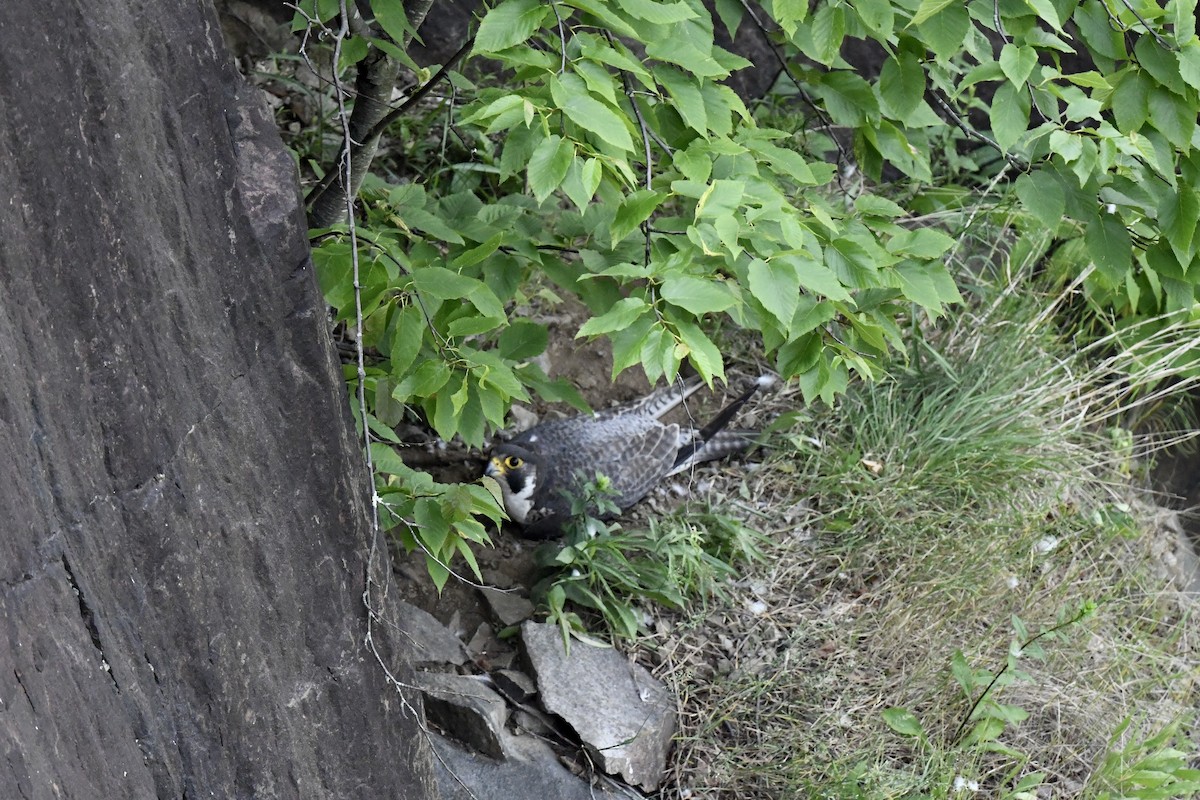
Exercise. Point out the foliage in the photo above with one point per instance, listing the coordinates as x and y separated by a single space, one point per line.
610 161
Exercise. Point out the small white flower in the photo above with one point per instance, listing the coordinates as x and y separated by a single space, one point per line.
1045 545
961 784
1013 582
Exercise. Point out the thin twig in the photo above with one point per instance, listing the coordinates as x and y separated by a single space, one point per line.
368 597
843 156
1161 42
393 115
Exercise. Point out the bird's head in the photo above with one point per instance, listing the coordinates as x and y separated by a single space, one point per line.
515 469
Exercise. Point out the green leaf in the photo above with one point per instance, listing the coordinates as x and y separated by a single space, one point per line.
901 84
509 24
870 205
583 178
777 287
600 10
1178 217
1010 115
688 44
720 198
627 343
703 354
443 284
1173 116
921 243
391 16
408 331
828 31
919 283
878 16
633 211
1046 11
1130 100
1184 20
658 13
1110 247
1098 33
1189 62
590 175
1043 195
599 80
946 30
903 722
622 315
787 162
522 339
427 378
1017 63
928 9
689 100
470 258
696 295
491 317
548 165
1066 145
848 98
591 115
816 278
785 12
1161 63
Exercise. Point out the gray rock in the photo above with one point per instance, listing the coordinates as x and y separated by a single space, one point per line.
516 686
430 641
186 540
465 709
509 608
624 716
532 771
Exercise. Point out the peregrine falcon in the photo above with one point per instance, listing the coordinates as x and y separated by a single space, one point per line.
541 469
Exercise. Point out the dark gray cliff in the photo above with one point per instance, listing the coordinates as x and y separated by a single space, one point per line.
183 543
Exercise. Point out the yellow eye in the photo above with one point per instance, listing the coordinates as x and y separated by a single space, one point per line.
513 462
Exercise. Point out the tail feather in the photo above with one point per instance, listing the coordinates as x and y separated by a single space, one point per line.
721 444
712 441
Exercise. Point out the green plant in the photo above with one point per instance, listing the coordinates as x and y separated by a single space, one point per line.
979 730
1155 768
609 571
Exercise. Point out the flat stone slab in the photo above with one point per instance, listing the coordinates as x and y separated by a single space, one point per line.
531 771
624 715
431 641
508 607
465 709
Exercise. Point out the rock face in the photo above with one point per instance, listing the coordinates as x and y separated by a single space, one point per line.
185 539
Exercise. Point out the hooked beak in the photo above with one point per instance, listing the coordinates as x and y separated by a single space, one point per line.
495 467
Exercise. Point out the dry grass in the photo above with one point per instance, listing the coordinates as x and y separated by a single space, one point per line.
919 518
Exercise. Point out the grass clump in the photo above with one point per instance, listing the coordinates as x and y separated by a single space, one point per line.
970 604
612 573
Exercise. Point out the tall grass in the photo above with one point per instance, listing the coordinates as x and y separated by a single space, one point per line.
978 496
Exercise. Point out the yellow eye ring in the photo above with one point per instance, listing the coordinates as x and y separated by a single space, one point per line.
513 462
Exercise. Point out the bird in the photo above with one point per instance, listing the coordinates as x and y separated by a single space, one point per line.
540 470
